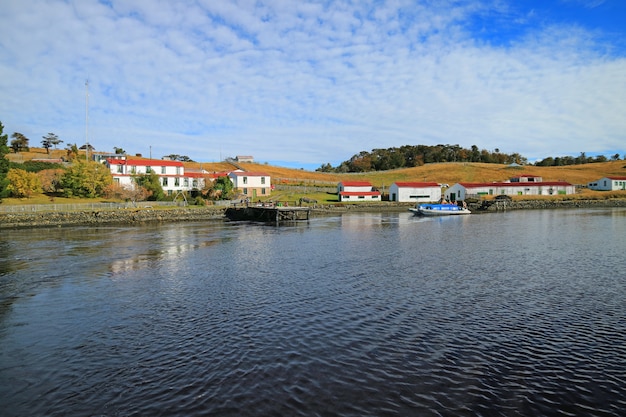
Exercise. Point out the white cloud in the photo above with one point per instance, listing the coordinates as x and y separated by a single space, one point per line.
306 82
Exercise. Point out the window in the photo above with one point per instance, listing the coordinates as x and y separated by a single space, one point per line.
262 180
177 170
263 191
176 182
116 180
186 182
133 169
148 170
164 181
163 170
245 191
194 183
245 180
120 169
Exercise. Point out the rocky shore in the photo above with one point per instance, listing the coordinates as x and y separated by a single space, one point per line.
125 217
140 216
553 204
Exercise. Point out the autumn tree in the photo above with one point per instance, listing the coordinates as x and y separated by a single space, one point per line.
4 163
22 183
72 151
19 142
85 179
50 179
132 193
49 141
152 183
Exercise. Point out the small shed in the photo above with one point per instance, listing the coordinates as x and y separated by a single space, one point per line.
357 191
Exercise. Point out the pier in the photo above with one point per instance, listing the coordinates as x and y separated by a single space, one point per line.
274 213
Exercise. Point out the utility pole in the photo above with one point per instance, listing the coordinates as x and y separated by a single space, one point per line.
87 119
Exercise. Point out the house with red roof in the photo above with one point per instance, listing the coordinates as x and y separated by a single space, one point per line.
612 183
172 175
251 184
416 192
463 190
353 191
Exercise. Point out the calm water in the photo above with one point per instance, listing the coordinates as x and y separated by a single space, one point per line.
511 314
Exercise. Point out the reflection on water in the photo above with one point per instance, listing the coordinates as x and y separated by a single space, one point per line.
515 313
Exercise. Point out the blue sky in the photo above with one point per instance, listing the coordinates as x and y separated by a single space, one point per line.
303 83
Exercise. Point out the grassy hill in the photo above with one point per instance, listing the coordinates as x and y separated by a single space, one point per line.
445 173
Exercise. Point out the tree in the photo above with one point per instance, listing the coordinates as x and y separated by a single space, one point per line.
72 151
85 179
615 157
129 193
119 151
4 163
19 142
22 183
176 157
49 141
50 179
220 189
152 183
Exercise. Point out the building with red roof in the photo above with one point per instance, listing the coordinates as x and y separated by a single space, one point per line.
171 174
612 183
463 190
354 191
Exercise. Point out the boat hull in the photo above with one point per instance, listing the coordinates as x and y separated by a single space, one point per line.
439 210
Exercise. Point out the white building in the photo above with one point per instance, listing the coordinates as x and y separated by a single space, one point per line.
461 191
171 174
418 192
612 183
354 191
251 184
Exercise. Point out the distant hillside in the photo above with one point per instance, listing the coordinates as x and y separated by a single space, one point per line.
445 173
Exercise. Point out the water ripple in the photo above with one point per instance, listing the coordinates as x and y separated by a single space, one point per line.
364 315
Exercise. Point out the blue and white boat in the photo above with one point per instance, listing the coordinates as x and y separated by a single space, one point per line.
439 210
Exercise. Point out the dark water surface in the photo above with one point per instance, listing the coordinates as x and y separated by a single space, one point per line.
513 314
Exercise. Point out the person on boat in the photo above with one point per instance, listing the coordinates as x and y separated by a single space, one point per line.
443 200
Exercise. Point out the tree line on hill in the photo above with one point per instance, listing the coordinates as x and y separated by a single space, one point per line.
409 156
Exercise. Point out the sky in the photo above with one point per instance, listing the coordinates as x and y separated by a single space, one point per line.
305 83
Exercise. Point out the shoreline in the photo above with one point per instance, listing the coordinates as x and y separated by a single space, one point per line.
143 216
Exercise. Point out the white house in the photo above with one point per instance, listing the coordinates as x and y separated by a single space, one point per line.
612 183
356 191
251 184
419 192
171 173
462 190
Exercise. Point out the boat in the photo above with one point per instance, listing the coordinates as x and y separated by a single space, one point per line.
439 210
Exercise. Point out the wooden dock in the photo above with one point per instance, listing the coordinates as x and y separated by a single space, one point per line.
275 214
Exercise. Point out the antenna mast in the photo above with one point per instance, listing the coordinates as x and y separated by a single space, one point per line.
87 119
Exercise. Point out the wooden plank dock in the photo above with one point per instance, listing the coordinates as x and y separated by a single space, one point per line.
275 214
